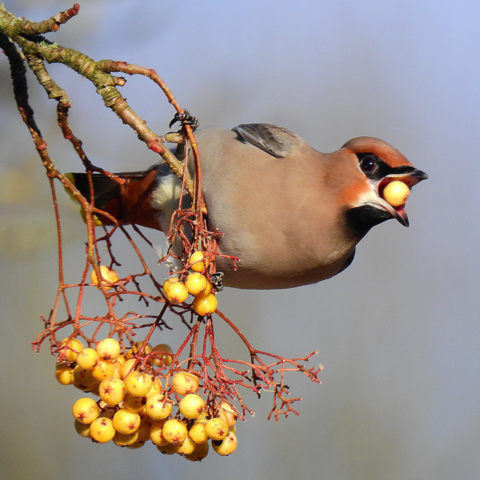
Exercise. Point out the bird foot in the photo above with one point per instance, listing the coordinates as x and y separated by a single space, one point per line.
185 119
217 280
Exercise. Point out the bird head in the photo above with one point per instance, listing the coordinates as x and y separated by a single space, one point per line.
374 164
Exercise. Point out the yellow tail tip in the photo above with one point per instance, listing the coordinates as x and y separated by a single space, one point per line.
96 221
71 178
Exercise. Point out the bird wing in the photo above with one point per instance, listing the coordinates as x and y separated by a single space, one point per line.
277 141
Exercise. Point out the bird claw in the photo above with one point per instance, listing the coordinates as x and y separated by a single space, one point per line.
185 119
217 280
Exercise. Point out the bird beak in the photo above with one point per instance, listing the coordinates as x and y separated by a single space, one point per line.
410 176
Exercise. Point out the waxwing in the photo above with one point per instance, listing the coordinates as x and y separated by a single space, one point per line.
291 214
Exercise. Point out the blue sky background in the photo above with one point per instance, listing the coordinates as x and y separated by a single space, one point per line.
398 332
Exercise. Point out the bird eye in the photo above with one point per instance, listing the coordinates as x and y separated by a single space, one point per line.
368 164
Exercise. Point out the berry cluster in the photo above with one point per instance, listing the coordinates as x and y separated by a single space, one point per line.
134 407
195 284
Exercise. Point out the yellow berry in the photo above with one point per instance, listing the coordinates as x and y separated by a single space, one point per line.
196 283
157 407
396 193
174 431
216 429
226 413
64 373
184 382
116 372
107 410
102 430
200 452
136 445
205 305
103 369
125 440
135 349
197 432
156 388
202 417
83 387
108 276
191 405
156 433
83 378
144 431
143 412
94 389
82 429
134 404
108 349
87 358
186 447
207 291
120 360
164 359
198 261
126 367
112 391
85 410
166 449
168 282
137 383
70 348
226 446
177 293
125 421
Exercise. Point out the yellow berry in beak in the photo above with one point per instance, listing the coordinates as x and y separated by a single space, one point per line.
396 193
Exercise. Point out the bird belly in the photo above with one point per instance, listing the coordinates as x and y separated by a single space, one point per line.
277 263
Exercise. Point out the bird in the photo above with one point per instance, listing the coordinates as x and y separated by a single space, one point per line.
292 215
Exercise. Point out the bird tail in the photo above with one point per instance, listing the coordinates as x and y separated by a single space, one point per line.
106 194
148 198
128 202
